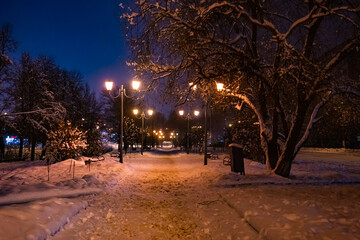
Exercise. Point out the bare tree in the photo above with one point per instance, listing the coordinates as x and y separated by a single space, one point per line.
285 60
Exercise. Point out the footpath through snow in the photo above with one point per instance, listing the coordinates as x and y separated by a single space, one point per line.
162 196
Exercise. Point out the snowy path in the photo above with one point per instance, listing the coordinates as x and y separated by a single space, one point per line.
161 197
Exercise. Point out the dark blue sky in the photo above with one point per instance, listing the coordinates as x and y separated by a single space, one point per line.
82 35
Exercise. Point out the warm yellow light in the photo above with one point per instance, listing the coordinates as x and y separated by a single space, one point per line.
136 84
136 111
219 86
196 113
150 112
154 131
181 112
172 134
230 125
109 85
192 86
159 137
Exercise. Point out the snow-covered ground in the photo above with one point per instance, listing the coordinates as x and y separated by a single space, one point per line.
164 196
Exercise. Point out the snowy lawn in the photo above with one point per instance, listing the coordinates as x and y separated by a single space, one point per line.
162 196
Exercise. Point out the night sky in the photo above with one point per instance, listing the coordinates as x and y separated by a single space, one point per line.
82 35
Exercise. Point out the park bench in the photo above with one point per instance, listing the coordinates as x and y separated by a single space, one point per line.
114 154
212 156
97 159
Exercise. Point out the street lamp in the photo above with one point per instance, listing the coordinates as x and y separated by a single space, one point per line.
188 117
142 117
109 86
220 88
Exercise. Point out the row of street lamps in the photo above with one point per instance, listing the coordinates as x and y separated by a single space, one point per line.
136 86
188 117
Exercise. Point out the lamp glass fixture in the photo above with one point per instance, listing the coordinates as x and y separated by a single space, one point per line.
219 86
136 111
109 85
136 84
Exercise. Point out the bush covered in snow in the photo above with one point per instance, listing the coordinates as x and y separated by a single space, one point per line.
65 142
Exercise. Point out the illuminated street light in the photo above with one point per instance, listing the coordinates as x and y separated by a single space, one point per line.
219 86
122 92
193 86
109 85
142 117
188 117
136 84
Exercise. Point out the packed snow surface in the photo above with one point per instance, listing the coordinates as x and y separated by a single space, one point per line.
161 195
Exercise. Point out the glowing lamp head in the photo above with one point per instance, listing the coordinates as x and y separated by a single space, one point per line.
196 113
181 112
136 84
150 112
219 86
192 86
109 85
136 111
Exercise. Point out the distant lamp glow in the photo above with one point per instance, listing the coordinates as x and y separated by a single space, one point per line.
230 125
181 112
220 86
192 85
196 113
136 84
150 112
136 111
109 85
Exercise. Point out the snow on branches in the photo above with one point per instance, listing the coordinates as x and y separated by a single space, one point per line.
284 59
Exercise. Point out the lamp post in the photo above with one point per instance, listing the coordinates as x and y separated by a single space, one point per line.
219 88
188 117
142 117
109 86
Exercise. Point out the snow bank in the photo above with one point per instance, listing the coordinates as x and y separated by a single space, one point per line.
37 220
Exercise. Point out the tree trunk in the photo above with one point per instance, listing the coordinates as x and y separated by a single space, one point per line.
272 153
283 166
33 145
43 150
21 148
2 148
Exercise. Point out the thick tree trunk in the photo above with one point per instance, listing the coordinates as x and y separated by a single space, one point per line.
283 166
273 153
